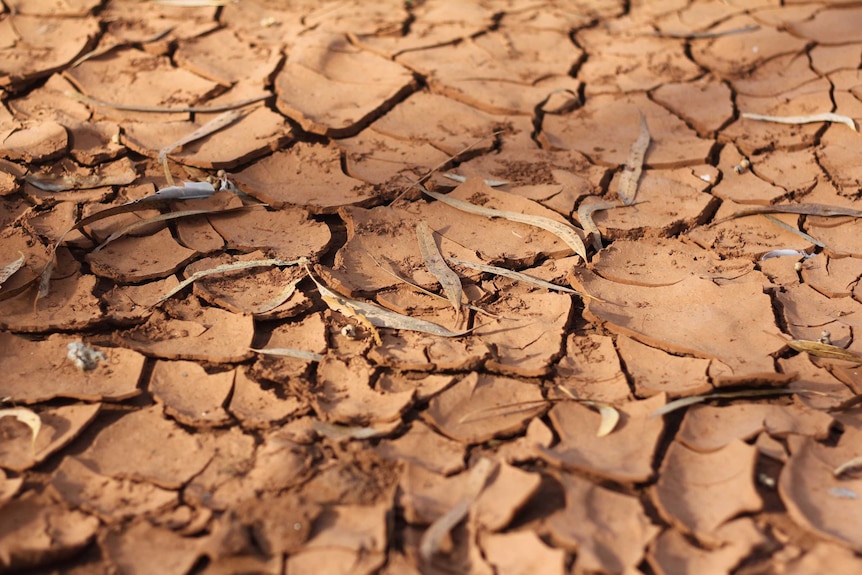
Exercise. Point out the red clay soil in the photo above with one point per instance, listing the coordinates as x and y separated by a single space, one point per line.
300 362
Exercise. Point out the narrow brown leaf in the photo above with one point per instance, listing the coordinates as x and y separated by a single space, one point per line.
517 276
631 173
691 400
435 263
289 352
585 217
567 233
824 350
225 268
380 317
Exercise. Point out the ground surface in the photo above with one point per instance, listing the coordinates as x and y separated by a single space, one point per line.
182 450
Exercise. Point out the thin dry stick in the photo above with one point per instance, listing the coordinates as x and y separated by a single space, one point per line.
167 109
430 172
422 290
219 122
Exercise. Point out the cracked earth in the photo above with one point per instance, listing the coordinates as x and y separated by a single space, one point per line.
164 441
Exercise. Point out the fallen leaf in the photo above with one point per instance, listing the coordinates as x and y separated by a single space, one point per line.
224 268
29 418
164 218
286 352
380 317
811 119
219 122
628 187
566 233
9 270
825 350
610 418
435 263
693 399
434 535
585 216
854 463
518 276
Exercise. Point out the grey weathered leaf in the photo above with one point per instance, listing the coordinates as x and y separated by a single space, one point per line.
565 232
435 263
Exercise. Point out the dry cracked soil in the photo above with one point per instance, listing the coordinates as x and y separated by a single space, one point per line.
248 322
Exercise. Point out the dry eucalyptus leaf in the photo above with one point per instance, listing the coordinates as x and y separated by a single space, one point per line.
566 233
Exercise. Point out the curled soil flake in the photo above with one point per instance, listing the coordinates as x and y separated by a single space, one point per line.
44 44
34 531
613 541
59 426
705 104
700 492
349 539
522 552
131 77
591 369
332 88
597 130
306 175
143 548
672 553
742 185
812 493
383 160
833 25
39 371
529 342
251 291
287 233
145 446
668 201
258 407
706 428
481 407
456 126
506 492
696 317
735 54
111 500
191 395
826 558
421 445
501 72
753 135
654 371
626 455
345 394
139 259
256 133
35 142
192 332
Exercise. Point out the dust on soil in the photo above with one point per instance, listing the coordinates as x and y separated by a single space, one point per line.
166 443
